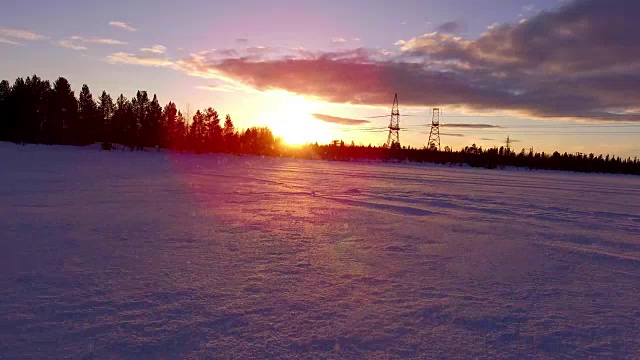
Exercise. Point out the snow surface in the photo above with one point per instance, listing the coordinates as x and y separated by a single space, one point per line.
157 255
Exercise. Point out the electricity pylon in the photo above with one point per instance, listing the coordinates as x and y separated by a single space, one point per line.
434 135
394 125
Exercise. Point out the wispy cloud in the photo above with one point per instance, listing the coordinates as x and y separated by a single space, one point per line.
487 139
7 41
227 87
20 34
70 45
339 120
155 49
338 41
254 50
219 88
453 134
76 42
242 41
122 25
97 40
472 126
132 59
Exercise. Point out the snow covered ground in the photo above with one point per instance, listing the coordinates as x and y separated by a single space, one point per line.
156 255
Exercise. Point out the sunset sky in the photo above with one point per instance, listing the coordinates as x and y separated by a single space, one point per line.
550 74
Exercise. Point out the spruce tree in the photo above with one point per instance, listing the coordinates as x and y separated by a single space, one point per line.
228 132
121 120
154 123
106 110
170 125
5 92
88 127
63 113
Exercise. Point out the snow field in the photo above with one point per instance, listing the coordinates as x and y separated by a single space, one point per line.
159 255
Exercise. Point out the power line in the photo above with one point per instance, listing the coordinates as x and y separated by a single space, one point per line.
476 132
384 116
558 134
478 129
546 118
394 124
434 134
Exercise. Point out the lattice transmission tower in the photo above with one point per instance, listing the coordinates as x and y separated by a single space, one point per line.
394 125
434 135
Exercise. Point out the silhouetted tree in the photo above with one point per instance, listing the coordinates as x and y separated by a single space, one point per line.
180 137
153 129
196 138
106 110
122 122
63 112
140 120
230 136
170 126
213 132
89 124
5 125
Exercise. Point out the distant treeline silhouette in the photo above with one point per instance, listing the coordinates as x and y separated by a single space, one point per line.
475 156
33 111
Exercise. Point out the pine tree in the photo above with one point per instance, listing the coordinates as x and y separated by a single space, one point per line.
154 123
121 121
88 127
139 121
213 131
63 111
180 137
106 110
5 93
28 107
170 126
38 93
228 132
16 105
197 133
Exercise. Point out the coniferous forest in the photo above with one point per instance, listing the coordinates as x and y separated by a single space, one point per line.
33 110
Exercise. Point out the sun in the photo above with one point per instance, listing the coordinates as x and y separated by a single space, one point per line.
297 128
291 119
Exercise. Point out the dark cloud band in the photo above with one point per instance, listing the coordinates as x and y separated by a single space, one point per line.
339 120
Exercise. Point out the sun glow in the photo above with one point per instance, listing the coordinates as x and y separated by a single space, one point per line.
291 120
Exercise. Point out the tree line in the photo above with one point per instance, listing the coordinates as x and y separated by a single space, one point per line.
475 156
34 111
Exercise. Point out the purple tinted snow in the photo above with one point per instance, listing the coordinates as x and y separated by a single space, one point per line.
159 255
